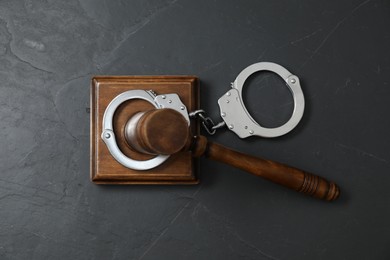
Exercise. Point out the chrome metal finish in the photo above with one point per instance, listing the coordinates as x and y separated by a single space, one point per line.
159 102
237 117
172 101
207 123
233 113
219 125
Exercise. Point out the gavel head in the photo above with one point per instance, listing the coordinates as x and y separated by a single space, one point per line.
158 131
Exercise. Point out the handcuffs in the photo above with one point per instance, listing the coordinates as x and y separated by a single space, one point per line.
232 110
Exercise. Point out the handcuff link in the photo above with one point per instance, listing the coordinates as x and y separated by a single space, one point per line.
232 110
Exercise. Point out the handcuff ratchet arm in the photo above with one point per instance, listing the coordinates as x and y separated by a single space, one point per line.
237 117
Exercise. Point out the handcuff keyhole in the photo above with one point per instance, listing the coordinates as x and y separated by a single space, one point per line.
268 99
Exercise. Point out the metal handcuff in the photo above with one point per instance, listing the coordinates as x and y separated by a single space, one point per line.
232 110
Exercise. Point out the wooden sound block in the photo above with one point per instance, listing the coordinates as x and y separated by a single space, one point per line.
180 168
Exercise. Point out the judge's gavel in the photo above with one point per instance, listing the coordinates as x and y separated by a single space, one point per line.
165 131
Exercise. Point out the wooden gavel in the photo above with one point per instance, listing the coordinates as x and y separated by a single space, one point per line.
166 131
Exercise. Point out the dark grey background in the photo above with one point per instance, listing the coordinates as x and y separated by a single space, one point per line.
49 51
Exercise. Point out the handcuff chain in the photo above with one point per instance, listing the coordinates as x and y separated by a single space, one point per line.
207 123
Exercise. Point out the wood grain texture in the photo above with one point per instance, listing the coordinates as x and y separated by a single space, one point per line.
159 131
165 131
180 168
284 175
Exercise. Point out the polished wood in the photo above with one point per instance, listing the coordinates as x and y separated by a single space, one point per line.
180 168
284 175
165 131
159 131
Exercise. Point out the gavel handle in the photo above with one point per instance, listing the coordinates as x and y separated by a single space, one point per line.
284 175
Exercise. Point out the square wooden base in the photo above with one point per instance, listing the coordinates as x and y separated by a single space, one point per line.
180 168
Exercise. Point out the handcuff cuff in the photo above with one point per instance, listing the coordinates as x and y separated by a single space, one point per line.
232 111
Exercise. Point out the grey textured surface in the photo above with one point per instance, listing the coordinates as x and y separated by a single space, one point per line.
49 51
